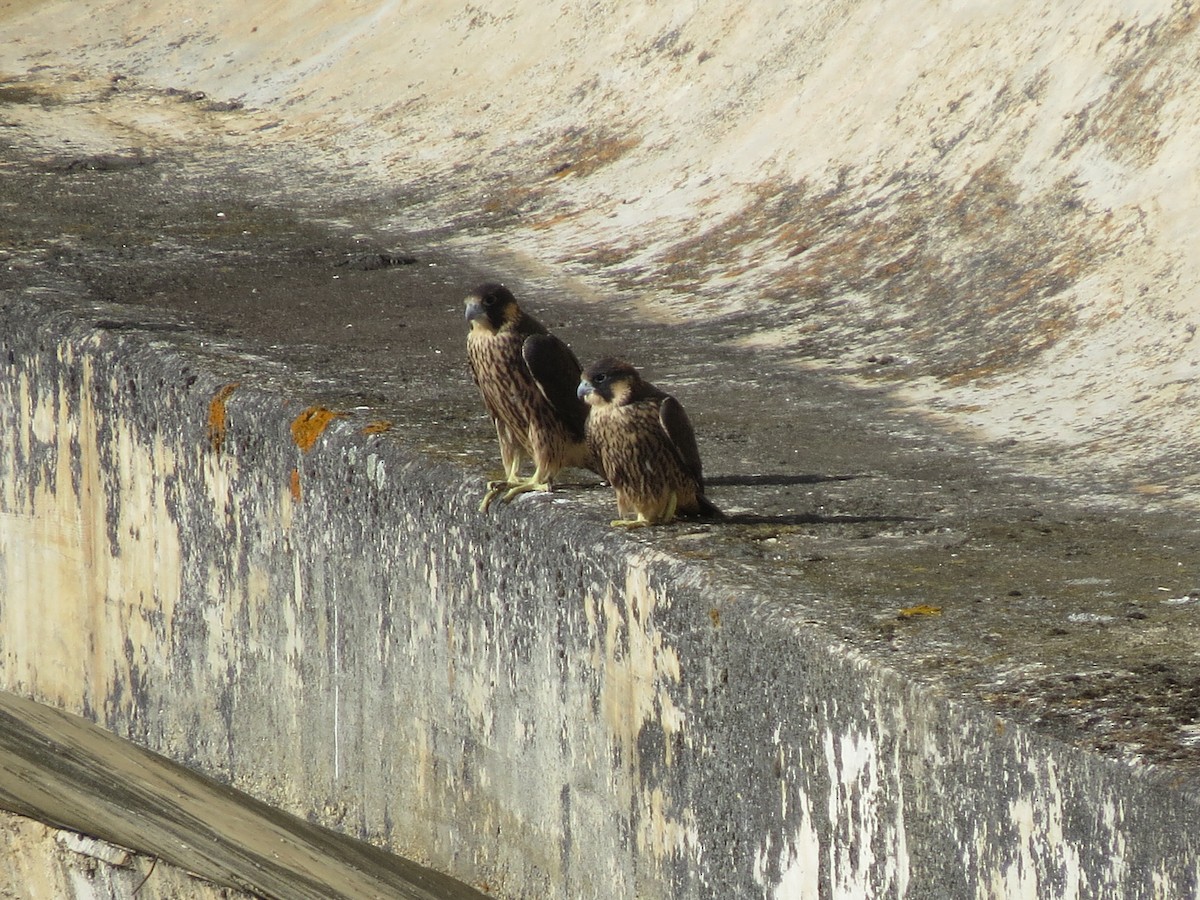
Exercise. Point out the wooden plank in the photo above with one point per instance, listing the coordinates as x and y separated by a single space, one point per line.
67 772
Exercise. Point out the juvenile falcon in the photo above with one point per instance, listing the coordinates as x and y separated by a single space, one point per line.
645 445
528 379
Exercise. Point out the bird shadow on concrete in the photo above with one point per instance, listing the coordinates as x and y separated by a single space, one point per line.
777 480
781 480
808 519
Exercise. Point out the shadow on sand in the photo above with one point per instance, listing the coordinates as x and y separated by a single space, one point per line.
781 480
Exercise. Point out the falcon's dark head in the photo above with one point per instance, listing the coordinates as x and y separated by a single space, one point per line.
491 306
611 380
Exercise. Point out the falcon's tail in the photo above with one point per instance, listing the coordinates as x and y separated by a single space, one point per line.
706 508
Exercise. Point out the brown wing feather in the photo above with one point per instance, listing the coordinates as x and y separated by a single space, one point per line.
557 371
679 429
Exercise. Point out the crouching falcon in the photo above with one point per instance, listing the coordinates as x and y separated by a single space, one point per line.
645 445
528 380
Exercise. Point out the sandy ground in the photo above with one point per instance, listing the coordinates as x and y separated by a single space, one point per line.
989 211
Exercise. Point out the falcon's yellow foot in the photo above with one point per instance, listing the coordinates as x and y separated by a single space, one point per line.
640 522
493 490
668 515
522 487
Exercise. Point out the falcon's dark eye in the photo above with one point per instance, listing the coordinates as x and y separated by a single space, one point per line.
489 301
600 379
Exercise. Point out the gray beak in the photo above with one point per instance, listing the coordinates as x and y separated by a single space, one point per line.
474 309
585 388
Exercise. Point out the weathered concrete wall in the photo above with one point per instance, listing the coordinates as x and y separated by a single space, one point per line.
520 700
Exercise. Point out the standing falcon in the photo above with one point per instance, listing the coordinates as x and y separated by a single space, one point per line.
528 380
645 444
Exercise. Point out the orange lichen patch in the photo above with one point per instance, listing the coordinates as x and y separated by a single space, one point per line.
294 484
771 211
310 424
606 256
923 609
1051 331
973 279
379 426
1129 117
216 416
986 203
1008 354
898 266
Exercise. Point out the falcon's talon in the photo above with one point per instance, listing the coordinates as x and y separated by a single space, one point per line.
669 514
639 522
524 487
494 489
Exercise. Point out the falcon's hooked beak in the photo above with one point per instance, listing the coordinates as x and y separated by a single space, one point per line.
474 309
585 388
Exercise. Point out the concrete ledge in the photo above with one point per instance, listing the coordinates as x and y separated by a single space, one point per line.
313 611
1008 213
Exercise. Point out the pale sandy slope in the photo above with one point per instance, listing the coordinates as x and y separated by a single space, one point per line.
991 208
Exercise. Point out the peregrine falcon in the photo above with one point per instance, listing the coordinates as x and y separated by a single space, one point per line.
528 380
644 442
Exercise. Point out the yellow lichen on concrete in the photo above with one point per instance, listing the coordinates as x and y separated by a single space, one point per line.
637 665
308 427
665 832
217 418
